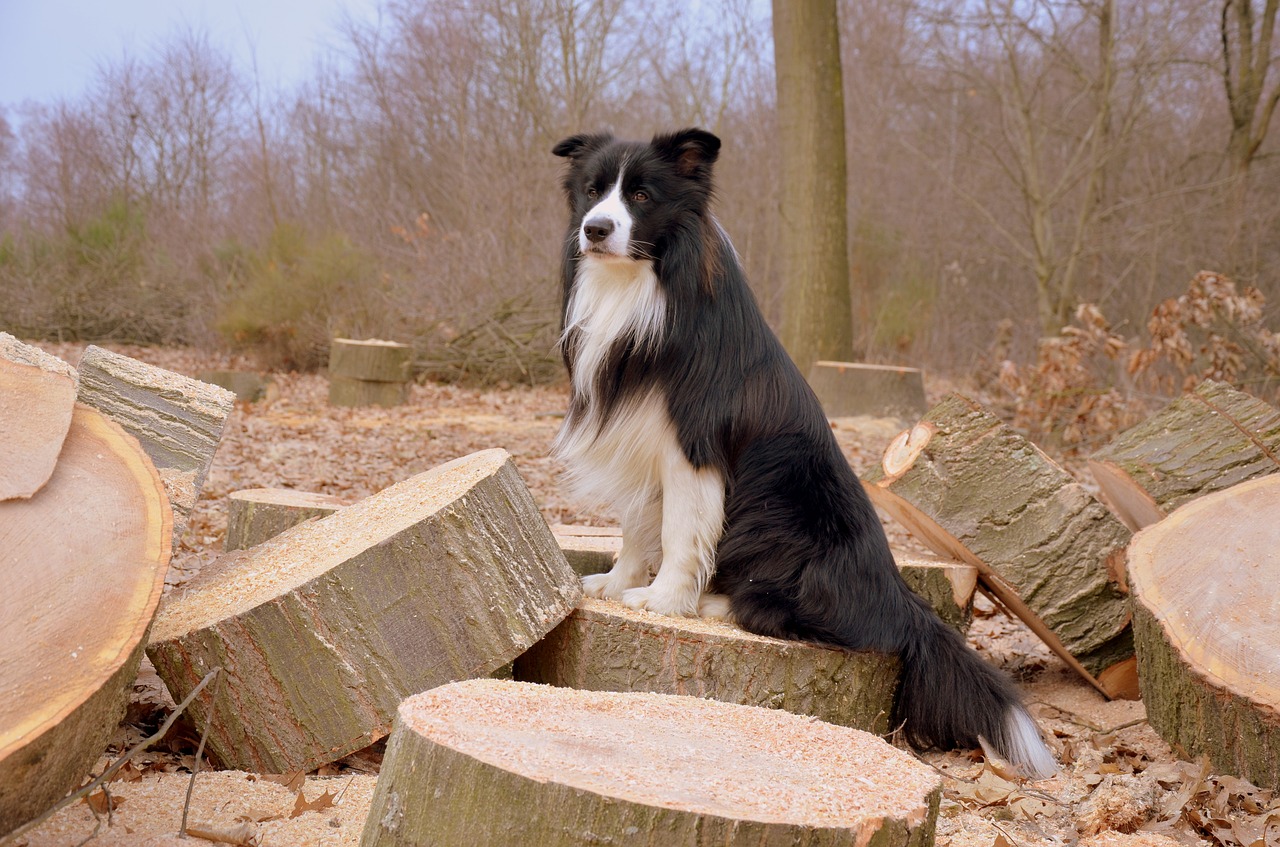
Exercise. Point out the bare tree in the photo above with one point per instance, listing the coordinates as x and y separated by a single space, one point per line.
1248 55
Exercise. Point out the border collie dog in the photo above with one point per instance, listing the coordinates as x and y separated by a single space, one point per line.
688 417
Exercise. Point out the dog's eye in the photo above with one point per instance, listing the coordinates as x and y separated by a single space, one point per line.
640 197
592 194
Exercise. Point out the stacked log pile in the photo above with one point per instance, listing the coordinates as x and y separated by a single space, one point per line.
369 372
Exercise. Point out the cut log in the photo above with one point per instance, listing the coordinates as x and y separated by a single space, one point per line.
948 585
848 389
325 628
37 394
605 646
370 360
248 386
177 420
256 514
82 567
504 763
1207 626
972 489
1210 439
345 391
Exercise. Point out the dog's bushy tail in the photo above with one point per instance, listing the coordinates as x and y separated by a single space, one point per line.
949 697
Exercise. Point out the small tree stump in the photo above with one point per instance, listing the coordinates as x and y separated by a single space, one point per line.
504 763
1205 441
1206 617
972 489
37 394
345 391
325 628
177 420
370 360
256 514
588 549
848 389
248 386
82 566
605 646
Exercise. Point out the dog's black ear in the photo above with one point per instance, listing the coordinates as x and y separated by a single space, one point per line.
691 150
577 146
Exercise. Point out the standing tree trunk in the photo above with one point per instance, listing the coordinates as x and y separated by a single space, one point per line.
818 322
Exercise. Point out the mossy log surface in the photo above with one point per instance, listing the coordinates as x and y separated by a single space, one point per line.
972 489
605 646
346 391
82 566
507 764
256 514
848 389
37 395
325 628
1207 627
370 360
1210 439
177 420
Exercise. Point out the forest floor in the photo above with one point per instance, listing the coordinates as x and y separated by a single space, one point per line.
1117 775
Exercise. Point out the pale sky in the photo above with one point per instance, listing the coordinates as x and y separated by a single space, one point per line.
49 48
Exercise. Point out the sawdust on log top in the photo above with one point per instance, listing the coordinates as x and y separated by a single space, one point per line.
719 627
288 497
245 580
26 354
202 397
700 756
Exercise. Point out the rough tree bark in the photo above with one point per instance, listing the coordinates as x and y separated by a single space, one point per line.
506 763
1205 612
256 514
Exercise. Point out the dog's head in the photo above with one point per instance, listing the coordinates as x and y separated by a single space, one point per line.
627 197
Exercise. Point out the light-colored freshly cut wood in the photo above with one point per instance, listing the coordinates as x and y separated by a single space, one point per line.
371 360
1207 626
37 394
177 420
256 514
605 646
977 491
1210 439
325 628
588 549
345 391
82 567
846 389
508 764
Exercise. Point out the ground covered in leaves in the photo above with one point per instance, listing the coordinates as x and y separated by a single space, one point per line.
1120 784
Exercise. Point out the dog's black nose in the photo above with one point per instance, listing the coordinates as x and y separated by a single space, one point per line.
597 229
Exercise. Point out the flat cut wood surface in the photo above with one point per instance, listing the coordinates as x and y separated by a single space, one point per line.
37 394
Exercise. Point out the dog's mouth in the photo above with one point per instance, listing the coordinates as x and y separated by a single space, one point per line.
599 251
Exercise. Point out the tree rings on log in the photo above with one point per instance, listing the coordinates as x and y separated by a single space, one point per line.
37 394
1207 628
974 490
256 514
82 566
848 389
605 646
507 764
1205 441
325 628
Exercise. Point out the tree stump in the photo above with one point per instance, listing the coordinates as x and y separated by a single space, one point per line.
248 386
82 566
369 372
325 628
588 549
505 763
345 391
177 420
37 394
1205 441
972 489
848 389
256 514
1206 615
605 646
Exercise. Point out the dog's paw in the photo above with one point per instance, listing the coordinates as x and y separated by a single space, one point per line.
713 606
603 587
659 602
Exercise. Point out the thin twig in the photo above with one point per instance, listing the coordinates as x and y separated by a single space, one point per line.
86 790
195 769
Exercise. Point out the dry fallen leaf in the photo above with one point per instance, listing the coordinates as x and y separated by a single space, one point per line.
292 781
301 806
102 803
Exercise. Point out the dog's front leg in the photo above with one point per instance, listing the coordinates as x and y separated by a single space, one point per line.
641 547
692 522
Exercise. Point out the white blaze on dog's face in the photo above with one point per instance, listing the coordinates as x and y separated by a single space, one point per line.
605 232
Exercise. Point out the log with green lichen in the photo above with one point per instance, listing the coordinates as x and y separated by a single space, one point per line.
325 628
1205 624
972 489
605 646
1207 440
256 514
506 764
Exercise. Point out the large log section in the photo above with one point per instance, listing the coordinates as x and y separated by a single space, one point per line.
507 764
974 490
325 628
37 394
82 567
1205 441
1206 616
